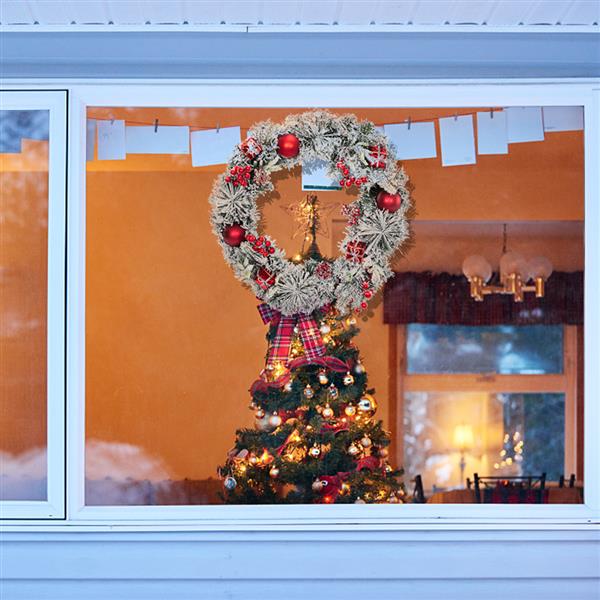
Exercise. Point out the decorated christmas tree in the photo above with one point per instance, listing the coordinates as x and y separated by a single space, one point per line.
315 439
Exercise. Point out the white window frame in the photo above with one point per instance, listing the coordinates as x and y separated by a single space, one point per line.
56 103
564 383
315 93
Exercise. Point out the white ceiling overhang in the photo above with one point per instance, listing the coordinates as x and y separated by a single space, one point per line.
320 15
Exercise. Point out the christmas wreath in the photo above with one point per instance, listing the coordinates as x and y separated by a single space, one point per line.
357 154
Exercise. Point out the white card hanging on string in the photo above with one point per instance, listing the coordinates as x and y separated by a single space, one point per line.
90 139
491 132
524 124
314 177
158 139
412 140
111 140
457 139
563 118
214 146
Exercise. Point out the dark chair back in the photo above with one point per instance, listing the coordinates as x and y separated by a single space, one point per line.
419 494
526 489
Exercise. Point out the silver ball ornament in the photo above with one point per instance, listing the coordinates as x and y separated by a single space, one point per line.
230 483
275 420
365 442
353 450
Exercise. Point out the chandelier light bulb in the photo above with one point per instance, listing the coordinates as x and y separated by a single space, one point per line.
513 263
540 266
477 266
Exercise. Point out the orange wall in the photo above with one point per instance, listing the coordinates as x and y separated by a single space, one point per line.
23 279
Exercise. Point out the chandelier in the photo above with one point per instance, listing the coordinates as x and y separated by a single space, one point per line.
517 275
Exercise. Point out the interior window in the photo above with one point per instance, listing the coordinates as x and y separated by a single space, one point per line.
173 341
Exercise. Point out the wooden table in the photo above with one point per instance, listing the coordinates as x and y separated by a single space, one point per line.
556 495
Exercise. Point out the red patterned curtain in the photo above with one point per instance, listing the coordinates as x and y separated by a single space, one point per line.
444 299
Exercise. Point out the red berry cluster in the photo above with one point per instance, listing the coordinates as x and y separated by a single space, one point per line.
260 244
239 175
367 292
348 181
378 156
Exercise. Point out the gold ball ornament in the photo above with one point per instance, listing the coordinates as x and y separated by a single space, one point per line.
260 413
365 442
359 368
287 387
388 469
317 485
348 379
323 378
275 420
308 391
333 392
344 488
327 412
350 410
274 472
393 499
367 405
253 460
383 452
359 500
353 450
315 451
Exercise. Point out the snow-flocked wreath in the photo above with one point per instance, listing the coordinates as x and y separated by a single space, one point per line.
357 153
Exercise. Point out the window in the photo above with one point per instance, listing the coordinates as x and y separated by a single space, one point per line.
32 212
163 343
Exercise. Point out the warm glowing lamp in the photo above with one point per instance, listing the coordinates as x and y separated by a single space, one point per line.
463 440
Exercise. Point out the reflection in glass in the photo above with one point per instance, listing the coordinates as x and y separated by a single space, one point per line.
505 349
23 300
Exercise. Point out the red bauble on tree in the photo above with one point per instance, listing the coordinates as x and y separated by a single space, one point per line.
288 145
389 202
234 234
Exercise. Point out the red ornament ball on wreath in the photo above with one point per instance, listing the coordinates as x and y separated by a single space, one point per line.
389 202
234 235
288 145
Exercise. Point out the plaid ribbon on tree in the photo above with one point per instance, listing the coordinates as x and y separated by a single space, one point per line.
279 349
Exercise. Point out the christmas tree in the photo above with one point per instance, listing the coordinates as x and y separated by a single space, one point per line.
316 439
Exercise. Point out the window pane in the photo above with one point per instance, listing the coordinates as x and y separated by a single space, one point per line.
498 434
23 303
524 350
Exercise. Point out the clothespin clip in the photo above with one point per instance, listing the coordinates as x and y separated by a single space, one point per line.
218 127
456 116
491 113
155 125
409 122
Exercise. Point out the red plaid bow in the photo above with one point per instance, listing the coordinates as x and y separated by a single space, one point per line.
279 350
